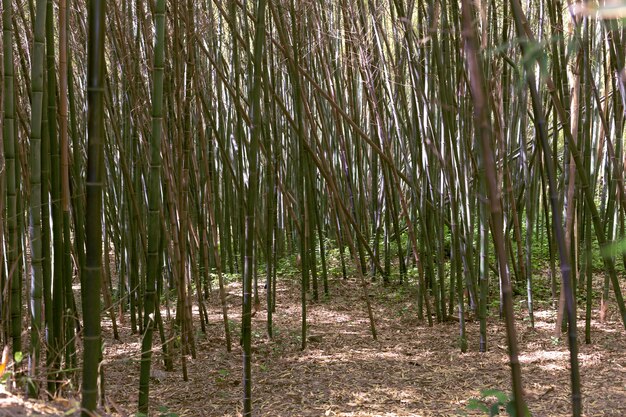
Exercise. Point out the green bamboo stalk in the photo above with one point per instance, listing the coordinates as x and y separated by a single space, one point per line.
609 262
90 288
154 204
12 186
46 233
556 216
58 276
36 189
256 130
70 318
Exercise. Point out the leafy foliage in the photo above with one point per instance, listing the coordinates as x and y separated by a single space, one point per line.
493 402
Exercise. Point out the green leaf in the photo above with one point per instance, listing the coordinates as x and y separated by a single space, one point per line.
613 248
502 397
163 409
18 357
494 410
476 404
510 408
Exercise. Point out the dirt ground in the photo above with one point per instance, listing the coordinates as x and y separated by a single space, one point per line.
411 370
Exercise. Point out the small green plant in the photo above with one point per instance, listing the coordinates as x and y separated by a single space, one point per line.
230 278
223 374
493 402
234 328
403 311
287 266
165 412
5 372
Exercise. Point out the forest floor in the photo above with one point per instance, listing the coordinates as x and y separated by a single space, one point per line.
411 370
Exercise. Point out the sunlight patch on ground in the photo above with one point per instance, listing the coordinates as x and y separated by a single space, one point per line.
605 328
547 326
330 317
320 357
11 405
545 314
552 367
543 356
360 414
547 360
590 359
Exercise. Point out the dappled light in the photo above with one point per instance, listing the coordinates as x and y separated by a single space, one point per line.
349 374
313 208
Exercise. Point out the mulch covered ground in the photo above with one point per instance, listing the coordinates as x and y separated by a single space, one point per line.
411 370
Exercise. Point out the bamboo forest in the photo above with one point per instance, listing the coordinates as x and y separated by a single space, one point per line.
313 208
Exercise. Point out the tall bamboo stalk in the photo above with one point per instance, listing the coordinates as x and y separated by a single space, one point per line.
483 130
154 204
12 184
554 202
256 130
37 74
91 282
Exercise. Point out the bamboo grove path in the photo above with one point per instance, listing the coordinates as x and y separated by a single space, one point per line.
412 370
